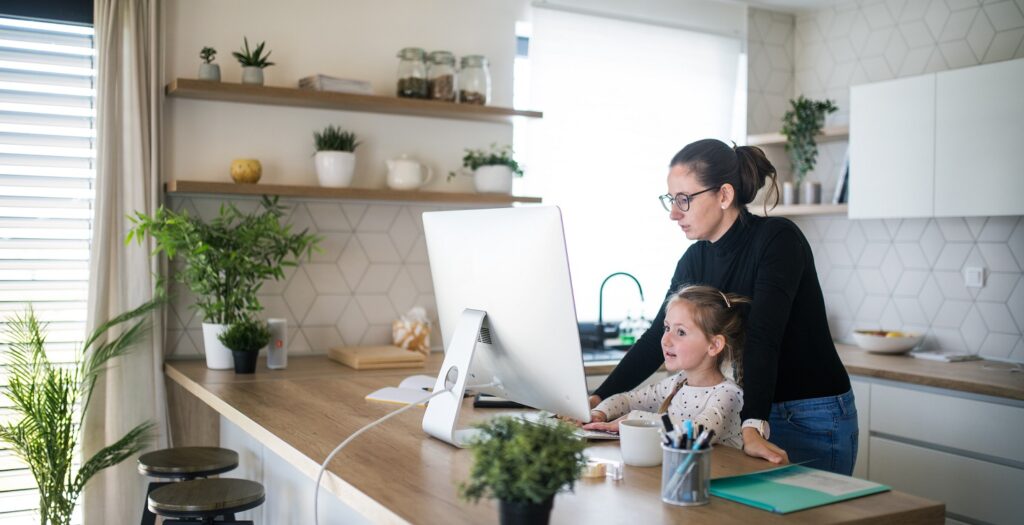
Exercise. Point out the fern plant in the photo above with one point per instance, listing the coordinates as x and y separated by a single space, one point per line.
254 58
207 54
334 139
800 125
47 426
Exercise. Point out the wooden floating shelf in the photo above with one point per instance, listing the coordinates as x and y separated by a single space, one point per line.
318 192
778 139
800 209
284 96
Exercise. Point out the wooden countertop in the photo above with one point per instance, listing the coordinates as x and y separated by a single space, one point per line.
992 378
396 474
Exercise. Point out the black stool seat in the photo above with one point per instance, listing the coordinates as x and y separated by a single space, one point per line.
205 498
187 462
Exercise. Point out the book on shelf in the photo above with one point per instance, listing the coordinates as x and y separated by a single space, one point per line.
337 85
842 181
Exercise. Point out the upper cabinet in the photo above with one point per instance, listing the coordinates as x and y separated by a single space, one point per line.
939 145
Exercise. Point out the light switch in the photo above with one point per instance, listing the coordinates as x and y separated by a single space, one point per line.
974 277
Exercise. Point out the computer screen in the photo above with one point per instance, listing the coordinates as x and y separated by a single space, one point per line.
505 304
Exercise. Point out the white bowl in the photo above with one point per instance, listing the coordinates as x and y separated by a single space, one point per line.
880 344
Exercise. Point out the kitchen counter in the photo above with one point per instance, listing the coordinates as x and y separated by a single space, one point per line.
397 474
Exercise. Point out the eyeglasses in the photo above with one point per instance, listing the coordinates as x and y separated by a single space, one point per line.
681 200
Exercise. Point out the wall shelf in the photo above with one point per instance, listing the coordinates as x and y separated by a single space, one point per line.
800 209
284 96
777 139
318 192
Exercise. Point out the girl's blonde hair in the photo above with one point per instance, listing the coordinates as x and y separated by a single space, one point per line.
718 313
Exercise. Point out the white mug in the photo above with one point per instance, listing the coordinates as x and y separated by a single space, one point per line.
640 440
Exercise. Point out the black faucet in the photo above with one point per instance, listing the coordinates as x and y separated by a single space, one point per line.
600 304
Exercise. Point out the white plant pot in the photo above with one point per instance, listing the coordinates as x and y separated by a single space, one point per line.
252 75
493 179
334 169
209 72
218 357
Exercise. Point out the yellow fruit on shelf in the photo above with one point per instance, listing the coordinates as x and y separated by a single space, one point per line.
246 171
895 334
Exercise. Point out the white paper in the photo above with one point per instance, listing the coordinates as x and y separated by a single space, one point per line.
418 382
821 481
401 396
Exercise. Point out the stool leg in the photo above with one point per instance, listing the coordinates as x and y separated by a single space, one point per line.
148 518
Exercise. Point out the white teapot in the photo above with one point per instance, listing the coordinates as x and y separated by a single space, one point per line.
407 174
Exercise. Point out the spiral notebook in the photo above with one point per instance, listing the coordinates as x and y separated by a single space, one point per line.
791 488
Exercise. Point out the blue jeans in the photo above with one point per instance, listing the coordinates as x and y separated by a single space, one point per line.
821 430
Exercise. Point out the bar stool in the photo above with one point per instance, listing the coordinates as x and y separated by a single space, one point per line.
205 500
183 463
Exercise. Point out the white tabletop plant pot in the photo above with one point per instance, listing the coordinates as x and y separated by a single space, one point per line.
492 169
252 61
218 356
335 157
493 179
207 69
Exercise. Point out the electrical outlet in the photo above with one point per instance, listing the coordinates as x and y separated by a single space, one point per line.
974 277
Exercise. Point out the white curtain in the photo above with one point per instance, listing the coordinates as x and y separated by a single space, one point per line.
122 277
620 98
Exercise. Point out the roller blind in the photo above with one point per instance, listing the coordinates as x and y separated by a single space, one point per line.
47 157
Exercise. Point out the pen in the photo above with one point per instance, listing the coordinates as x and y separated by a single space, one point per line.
702 442
669 428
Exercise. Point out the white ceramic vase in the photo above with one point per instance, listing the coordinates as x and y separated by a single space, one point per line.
493 179
252 75
788 193
209 72
218 357
810 192
334 169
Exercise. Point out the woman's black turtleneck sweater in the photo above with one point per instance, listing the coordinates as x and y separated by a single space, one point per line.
788 353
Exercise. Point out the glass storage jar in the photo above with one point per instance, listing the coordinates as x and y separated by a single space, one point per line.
441 75
412 73
474 80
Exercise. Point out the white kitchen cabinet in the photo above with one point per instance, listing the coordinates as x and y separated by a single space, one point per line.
979 132
892 148
862 398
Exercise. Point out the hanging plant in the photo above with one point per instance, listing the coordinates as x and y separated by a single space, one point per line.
800 125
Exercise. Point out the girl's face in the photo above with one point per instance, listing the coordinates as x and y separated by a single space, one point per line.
684 345
705 220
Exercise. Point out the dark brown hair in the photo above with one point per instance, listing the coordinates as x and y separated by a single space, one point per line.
718 313
746 168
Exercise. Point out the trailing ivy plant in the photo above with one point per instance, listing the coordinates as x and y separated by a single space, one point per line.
522 462
254 58
227 259
49 401
334 139
800 125
493 156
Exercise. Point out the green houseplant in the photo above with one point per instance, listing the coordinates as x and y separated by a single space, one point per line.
492 168
335 157
49 401
253 62
208 70
226 260
523 465
800 125
245 338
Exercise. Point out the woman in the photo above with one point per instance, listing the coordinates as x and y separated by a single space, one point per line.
798 405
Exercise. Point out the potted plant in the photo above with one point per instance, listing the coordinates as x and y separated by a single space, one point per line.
523 465
492 168
208 70
48 402
335 157
252 62
800 125
225 260
244 338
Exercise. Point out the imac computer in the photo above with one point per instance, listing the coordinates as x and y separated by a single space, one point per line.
508 319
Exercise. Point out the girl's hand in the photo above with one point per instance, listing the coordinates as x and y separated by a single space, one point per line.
596 416
758 447
604 426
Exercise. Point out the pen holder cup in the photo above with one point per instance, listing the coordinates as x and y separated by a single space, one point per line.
686 476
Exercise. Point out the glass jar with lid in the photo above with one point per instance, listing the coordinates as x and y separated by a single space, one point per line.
412 73
474 80
441 75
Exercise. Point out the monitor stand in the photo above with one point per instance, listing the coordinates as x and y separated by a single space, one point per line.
443 411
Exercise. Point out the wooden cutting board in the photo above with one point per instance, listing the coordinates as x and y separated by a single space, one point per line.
375 357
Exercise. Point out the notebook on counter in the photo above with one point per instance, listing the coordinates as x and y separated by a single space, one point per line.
791 488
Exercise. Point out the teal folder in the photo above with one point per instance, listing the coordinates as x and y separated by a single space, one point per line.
792 488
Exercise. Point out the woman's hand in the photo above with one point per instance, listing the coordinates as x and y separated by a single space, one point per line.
758 447
602 424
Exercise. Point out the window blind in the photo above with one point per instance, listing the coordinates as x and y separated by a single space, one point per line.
47 157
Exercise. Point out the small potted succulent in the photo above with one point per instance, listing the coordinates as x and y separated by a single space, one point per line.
208 70
245 338
492 168
252 62
800 125
335 156
523 465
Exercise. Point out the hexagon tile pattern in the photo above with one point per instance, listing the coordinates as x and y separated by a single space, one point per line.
371 269
769 68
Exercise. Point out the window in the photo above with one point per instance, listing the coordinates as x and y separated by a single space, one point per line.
47 155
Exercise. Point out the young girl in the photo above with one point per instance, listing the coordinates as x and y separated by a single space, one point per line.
703 341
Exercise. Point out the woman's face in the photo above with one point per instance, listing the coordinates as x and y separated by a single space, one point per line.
706 218
684 346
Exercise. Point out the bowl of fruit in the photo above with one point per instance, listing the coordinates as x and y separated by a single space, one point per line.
886 341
